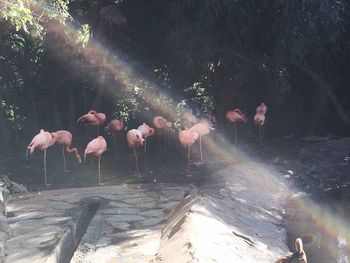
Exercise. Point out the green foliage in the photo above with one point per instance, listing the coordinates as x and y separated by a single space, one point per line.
18 14
83 35
30 16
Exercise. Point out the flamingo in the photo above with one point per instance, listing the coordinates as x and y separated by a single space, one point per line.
146 132
202 128
187 138
297 257
163 125
96 147
235 116
64 138
159 122
134 138
114 127
93 118
259 118
42 141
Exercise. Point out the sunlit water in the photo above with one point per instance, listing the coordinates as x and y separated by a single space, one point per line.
321 246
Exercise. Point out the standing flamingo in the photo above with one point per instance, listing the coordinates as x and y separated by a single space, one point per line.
202 128
163 126
159 122
235 116
259 118
134 138
187 138
146 131
114 127
96 147
64 138
42 141
93 118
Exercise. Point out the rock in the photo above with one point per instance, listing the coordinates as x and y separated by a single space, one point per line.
13 186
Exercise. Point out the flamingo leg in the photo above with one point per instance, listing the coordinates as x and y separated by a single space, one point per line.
200 147
137 163
235 133
99 169
145 154
45 167
188 162
260 135
64 160
98 131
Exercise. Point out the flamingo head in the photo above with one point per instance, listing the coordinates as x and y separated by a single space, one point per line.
140 138
92 112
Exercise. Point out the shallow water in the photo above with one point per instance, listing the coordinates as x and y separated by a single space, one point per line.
323 225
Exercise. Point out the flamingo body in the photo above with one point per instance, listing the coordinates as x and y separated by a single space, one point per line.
259 119
42 141
93 118
146 130
202 128
134 138
64 138
96 147
116 126
188 137
159 122
235 116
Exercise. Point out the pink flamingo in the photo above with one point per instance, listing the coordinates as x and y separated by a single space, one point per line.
202 128
163 126
64 138
114 127
159 122
42 141
134 138
146 132
93 118
235 116
96 147
259 118
187 138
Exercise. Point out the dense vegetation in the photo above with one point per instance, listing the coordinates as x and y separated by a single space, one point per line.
60 58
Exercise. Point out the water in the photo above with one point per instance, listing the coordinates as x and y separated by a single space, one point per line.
323 225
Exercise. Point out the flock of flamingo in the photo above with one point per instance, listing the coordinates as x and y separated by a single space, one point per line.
137 137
